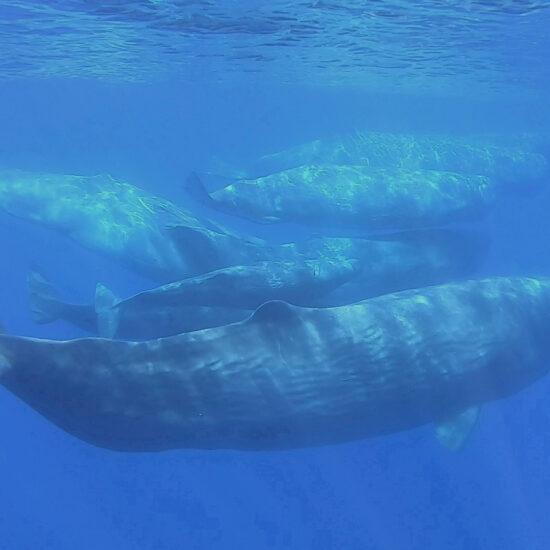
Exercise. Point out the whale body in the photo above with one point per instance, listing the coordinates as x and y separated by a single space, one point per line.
353 196
128 319
292 377
333 271
510 161
149 234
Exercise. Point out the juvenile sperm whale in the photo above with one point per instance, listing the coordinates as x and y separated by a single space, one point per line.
292 377
213 299
110 317
333 271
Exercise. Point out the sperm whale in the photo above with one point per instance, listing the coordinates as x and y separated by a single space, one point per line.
292 377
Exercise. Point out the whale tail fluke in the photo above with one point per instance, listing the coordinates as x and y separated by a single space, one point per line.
197 190
201 186
44 302
106 311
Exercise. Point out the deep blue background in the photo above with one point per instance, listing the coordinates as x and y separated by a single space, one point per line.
397 492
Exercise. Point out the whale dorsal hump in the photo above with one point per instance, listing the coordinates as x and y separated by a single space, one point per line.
275 312
453 432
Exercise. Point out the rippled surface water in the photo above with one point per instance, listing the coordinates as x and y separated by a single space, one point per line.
399 44
147 91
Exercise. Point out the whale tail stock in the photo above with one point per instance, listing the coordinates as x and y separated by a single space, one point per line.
44 301
197 190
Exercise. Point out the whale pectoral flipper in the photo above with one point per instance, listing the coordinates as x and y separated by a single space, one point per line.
197 242
106 311
453 432
213 250
44 301
4 364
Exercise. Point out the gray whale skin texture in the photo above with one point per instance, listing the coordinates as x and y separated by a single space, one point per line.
353 196
339 272
292 377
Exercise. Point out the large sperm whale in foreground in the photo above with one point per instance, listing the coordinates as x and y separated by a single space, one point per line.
292 377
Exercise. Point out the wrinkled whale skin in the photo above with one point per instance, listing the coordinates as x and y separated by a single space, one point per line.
334 272
353 196
293 377
514 162
149 234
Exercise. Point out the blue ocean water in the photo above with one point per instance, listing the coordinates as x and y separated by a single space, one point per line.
148 91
